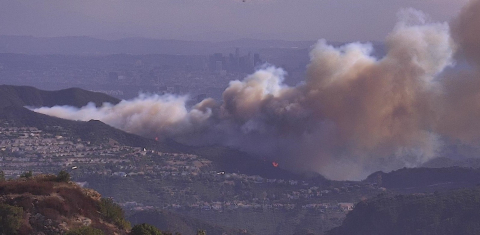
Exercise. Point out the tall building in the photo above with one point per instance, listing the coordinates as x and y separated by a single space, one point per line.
234 62
256 59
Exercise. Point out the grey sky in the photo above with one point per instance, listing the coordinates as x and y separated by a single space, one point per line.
338 20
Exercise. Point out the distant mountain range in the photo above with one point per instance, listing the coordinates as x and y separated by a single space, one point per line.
30 96
93 46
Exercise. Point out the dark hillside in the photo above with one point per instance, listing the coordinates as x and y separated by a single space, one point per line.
455 212
224 159
234 161
447 162
45 205
14 98
169 221
30 96
93 130
426 178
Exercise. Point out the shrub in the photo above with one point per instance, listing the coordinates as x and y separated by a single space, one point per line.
25 202
10 219
45 178
145 229
27 175
113 213
63 176
85 231
50 213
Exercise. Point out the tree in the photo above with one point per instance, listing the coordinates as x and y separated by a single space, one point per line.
10 219
201 232
2 176
145 229
113 213
27 175
63 176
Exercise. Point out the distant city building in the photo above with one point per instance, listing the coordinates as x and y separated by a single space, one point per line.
233 62
256 59
218 65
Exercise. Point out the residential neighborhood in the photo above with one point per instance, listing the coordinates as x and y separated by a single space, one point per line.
181 181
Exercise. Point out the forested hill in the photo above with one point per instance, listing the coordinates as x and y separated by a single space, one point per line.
454 212
30 96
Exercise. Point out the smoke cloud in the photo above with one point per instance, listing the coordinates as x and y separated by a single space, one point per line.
466 33
353 114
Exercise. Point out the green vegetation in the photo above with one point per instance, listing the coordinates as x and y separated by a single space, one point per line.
145 229
10 219
454 212
63 176
26 175
113 213
50 200
85 231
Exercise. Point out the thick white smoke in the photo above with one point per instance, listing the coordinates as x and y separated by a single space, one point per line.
145 115
354 113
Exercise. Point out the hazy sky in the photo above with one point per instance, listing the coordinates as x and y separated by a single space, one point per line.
338 20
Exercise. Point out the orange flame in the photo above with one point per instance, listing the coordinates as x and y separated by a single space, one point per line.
275 164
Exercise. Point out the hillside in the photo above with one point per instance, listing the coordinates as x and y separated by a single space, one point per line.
169 221
46 204
94 131
454 212
30 96
412 180
184 188
93 46
163 175
230 160
14 98
447 162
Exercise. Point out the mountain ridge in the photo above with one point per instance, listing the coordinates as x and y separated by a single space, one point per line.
31 96
15 98
439 213
84 45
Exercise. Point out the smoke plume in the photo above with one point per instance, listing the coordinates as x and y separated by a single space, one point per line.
353 114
